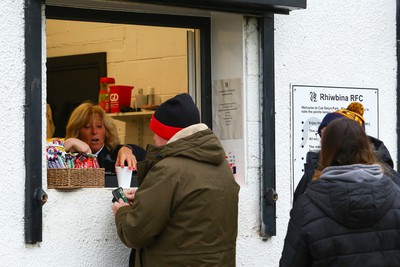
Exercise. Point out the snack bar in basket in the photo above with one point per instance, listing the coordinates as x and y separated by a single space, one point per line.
58 158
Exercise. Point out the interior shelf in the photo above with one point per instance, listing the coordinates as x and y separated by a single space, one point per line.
129 116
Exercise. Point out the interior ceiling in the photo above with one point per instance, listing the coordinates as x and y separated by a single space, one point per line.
124 5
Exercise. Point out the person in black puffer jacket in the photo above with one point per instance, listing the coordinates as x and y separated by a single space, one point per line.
349 215
354 111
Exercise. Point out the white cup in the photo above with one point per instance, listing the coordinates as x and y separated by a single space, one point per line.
141 100
124 176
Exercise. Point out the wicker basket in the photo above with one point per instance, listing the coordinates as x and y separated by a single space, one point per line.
75 178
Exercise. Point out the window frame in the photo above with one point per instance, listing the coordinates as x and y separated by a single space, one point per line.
34 193
253 7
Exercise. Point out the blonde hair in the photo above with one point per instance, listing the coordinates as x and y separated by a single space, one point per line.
82 115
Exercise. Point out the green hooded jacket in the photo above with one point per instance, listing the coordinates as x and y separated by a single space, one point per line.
186 207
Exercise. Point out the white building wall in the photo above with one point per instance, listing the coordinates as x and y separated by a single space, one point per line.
12 171
330 43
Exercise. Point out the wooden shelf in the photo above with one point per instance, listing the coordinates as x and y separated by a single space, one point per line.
129 116
140 119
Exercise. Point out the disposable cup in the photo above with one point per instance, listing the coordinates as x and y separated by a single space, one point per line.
124 176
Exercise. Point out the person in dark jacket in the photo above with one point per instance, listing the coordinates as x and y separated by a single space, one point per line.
349 215
90 130
185 210
354 111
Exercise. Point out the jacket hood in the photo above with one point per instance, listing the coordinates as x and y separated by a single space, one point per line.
196 142
355 201
381 151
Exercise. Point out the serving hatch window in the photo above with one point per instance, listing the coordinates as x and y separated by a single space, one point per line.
148 58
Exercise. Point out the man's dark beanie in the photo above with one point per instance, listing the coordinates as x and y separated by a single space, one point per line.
173 115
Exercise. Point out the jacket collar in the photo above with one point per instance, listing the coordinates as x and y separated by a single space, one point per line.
188 131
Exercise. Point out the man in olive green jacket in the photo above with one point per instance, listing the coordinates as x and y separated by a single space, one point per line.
185 211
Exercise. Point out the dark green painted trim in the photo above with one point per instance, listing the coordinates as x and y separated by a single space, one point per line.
33 121
268 124
255 7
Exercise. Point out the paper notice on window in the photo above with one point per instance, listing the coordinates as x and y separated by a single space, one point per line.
227 108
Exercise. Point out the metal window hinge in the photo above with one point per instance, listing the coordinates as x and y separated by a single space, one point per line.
270 196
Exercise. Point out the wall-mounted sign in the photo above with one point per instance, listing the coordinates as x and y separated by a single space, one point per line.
309 106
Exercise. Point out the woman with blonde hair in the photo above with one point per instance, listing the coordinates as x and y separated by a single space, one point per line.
90 130
349 213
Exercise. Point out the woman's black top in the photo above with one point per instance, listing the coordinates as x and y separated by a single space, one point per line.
108 158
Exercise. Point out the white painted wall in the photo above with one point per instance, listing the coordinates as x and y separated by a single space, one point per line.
330 43
333 43
12 171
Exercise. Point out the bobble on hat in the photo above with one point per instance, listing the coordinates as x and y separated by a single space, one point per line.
173 115
356 107
354 111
